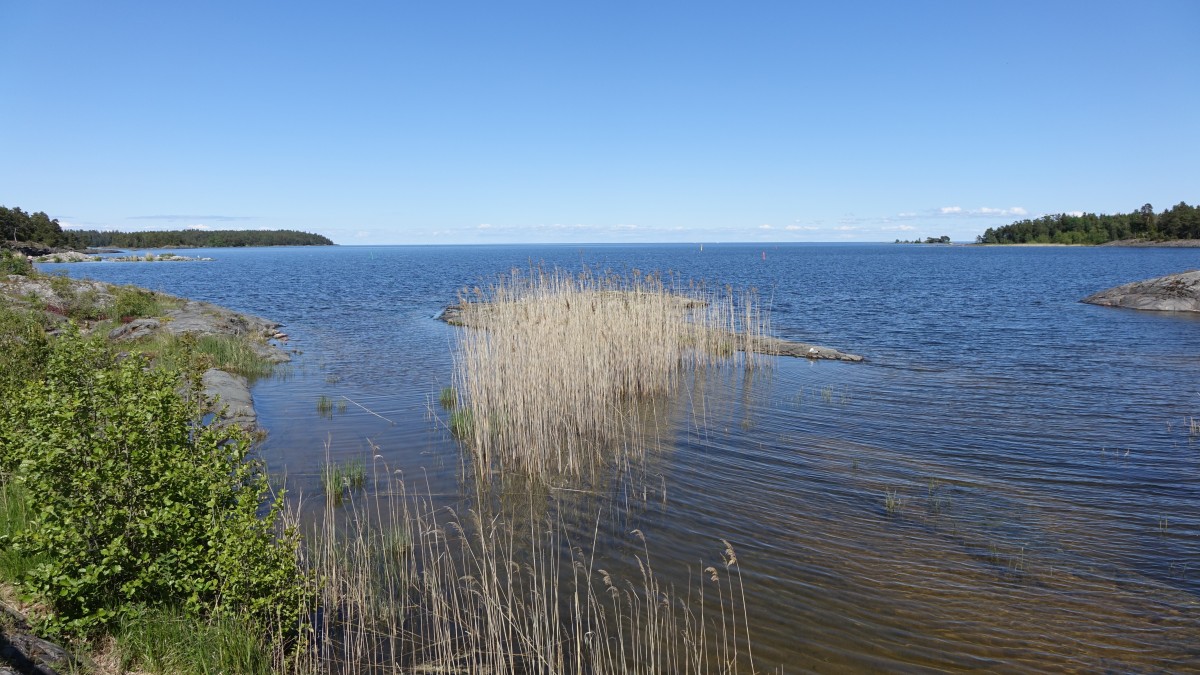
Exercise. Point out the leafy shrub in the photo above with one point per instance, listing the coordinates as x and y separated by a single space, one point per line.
137 502
12 262
131 303
23 350
76 304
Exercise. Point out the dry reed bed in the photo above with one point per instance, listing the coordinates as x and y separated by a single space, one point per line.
411 588
550 362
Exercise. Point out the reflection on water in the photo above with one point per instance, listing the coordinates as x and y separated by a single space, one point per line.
1009 483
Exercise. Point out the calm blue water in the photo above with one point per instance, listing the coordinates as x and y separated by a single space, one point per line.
1038 448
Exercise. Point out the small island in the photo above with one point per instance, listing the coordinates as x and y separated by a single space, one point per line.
944 239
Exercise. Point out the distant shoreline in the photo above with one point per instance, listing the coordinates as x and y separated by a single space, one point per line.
1123 243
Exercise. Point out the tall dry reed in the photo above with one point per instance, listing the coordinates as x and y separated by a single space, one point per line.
550 362
410 587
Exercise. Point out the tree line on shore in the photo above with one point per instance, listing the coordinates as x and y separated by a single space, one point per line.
19 229
1178 222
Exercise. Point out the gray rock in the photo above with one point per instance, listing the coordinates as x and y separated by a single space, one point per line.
1172 293
232 394
778 347
134 330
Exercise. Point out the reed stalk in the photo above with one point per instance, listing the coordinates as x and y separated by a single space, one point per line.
551 365
411 587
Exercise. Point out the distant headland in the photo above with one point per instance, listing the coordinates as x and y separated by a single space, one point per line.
37 234
1176 226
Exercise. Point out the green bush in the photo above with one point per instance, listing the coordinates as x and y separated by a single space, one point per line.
75 304
131 303
23 349
137 502
12 262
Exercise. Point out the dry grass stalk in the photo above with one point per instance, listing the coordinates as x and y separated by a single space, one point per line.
551 362
411 588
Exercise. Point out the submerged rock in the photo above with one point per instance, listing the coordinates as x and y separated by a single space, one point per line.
1172 293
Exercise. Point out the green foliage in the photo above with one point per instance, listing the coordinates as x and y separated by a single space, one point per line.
138 502
14 263
448 398
462 423
169 640
131 302
76 304
338 479
23 350
325 406
231 353
1179 222
37 228
18 226
15 514
198 238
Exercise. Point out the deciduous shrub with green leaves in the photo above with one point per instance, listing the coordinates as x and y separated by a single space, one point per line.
139 503
13 262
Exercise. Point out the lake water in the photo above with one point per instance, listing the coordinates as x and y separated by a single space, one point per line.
1044 481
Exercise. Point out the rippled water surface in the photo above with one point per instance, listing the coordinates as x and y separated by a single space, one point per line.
1009 482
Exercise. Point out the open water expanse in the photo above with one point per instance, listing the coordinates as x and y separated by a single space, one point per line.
1011 481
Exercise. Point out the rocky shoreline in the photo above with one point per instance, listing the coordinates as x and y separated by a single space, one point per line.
1170 293
188 317
84 257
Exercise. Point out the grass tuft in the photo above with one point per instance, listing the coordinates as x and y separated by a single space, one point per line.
168 640
340 479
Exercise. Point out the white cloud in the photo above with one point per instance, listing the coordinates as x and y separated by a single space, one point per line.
765 227
483 226
906 228
197 227
847 228
906 214
361 234
802 227
1014 211
988 211
1075 213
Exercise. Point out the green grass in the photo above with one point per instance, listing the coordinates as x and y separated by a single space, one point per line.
325 406
448 398
461 423
15 516
231 353
172 641
340 479
892 501
130 302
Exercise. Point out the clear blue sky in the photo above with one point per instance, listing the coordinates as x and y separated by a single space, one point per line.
464 122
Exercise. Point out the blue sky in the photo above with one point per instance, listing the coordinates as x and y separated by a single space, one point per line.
467 122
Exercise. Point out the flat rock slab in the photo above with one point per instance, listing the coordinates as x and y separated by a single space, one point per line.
778 347
232 393
1172 293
